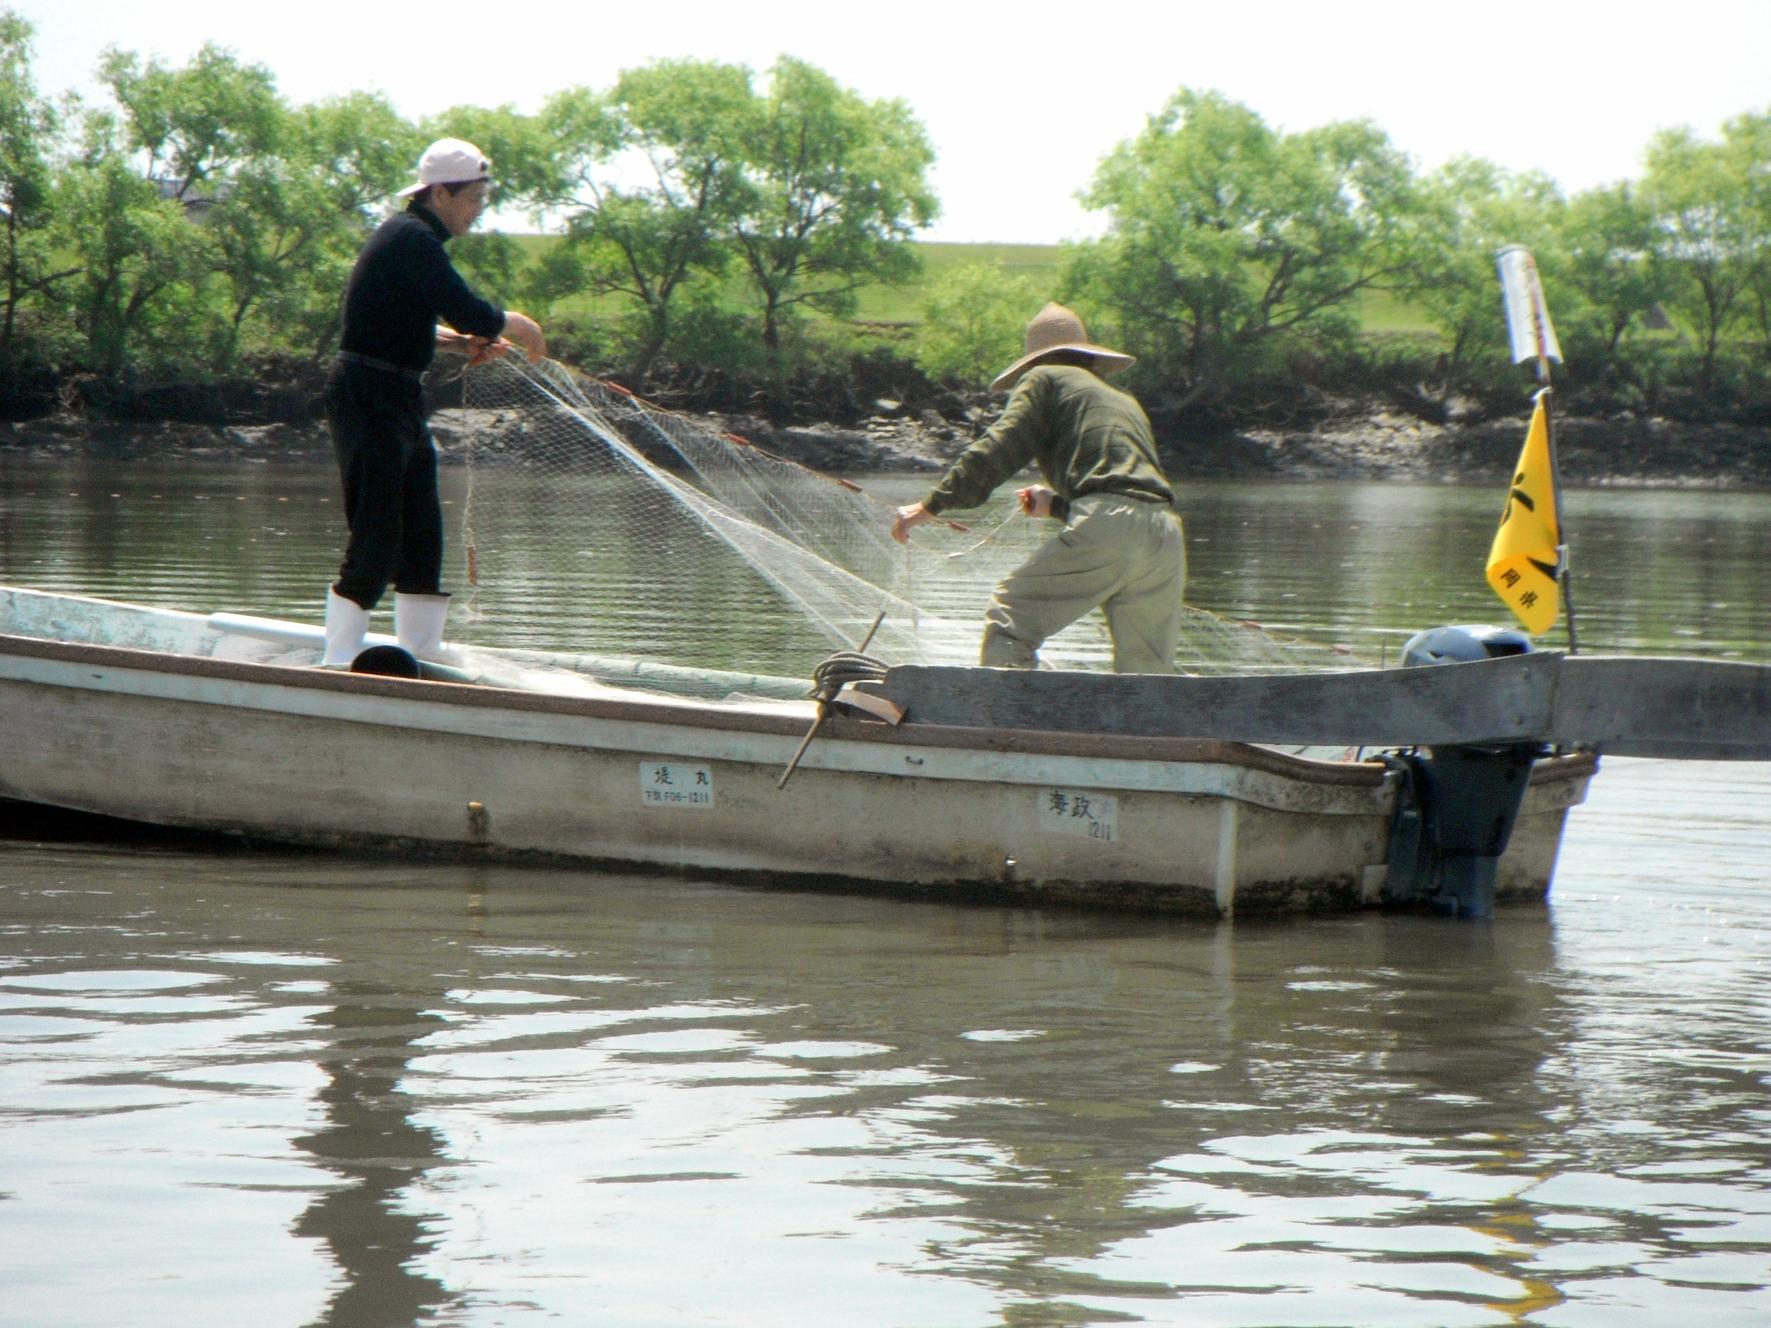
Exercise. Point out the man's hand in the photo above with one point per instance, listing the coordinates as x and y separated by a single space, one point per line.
909 518
1036 500
479 349
525 332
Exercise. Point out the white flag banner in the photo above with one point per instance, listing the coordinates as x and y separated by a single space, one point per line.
1528 317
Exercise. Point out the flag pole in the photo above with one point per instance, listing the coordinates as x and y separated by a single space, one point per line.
1528 324
1549 433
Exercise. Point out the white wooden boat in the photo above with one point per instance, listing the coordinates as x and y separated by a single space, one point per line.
191 720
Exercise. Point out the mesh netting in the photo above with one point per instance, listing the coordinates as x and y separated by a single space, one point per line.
594 521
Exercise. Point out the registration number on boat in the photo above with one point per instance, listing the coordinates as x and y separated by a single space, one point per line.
1082 812
670 784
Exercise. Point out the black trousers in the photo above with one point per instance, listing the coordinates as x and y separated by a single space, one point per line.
389 467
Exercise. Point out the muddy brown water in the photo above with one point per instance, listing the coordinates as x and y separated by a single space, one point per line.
289 1089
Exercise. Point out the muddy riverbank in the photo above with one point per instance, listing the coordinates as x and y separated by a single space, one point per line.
1369 444
1352 439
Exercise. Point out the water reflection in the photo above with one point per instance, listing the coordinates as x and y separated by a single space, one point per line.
482 1095
1190 1142
369 1141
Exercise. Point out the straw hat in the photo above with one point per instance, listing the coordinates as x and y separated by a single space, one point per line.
1056 328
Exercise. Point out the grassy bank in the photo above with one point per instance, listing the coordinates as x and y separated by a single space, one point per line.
900 307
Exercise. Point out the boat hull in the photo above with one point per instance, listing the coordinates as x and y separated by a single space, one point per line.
298 755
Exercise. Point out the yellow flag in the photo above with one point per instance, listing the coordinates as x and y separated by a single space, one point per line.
1522 561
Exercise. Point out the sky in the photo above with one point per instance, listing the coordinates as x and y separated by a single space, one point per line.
1021 101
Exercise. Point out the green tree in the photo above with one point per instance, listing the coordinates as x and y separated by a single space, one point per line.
211 136
650 173
27 128
1707 238
1747 140
1611 284
836 186
142 266
1228 240
495 263
1466 212
273 241
346 156
362 145
972 323
197 125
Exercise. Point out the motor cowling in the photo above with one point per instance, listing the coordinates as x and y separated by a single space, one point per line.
1456 804
1463 645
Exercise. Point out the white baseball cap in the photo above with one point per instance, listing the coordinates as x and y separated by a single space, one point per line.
449 161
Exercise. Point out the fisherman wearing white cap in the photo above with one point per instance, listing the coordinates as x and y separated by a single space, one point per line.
402 285
1121 546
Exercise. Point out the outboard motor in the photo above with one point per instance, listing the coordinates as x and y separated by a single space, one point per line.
1456 806
1463 645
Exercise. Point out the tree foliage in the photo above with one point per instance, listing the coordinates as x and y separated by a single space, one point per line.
142 266
651 174
1747 139
28 266
1467 211
1228 239
1704 237
195 126
972 324
697 212
835 188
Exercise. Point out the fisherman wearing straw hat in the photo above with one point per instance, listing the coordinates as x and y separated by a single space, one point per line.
1121 545
403 283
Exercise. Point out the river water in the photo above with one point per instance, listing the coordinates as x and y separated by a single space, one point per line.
289 1089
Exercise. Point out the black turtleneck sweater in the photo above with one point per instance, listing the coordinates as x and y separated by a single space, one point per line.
402 284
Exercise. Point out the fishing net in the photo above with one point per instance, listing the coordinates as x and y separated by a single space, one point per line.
593 521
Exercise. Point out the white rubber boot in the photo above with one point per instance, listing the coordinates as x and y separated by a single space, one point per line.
347 623
418 623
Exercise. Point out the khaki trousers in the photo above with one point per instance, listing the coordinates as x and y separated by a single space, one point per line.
1127 556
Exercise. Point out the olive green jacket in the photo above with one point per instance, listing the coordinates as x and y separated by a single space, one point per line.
1086 437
